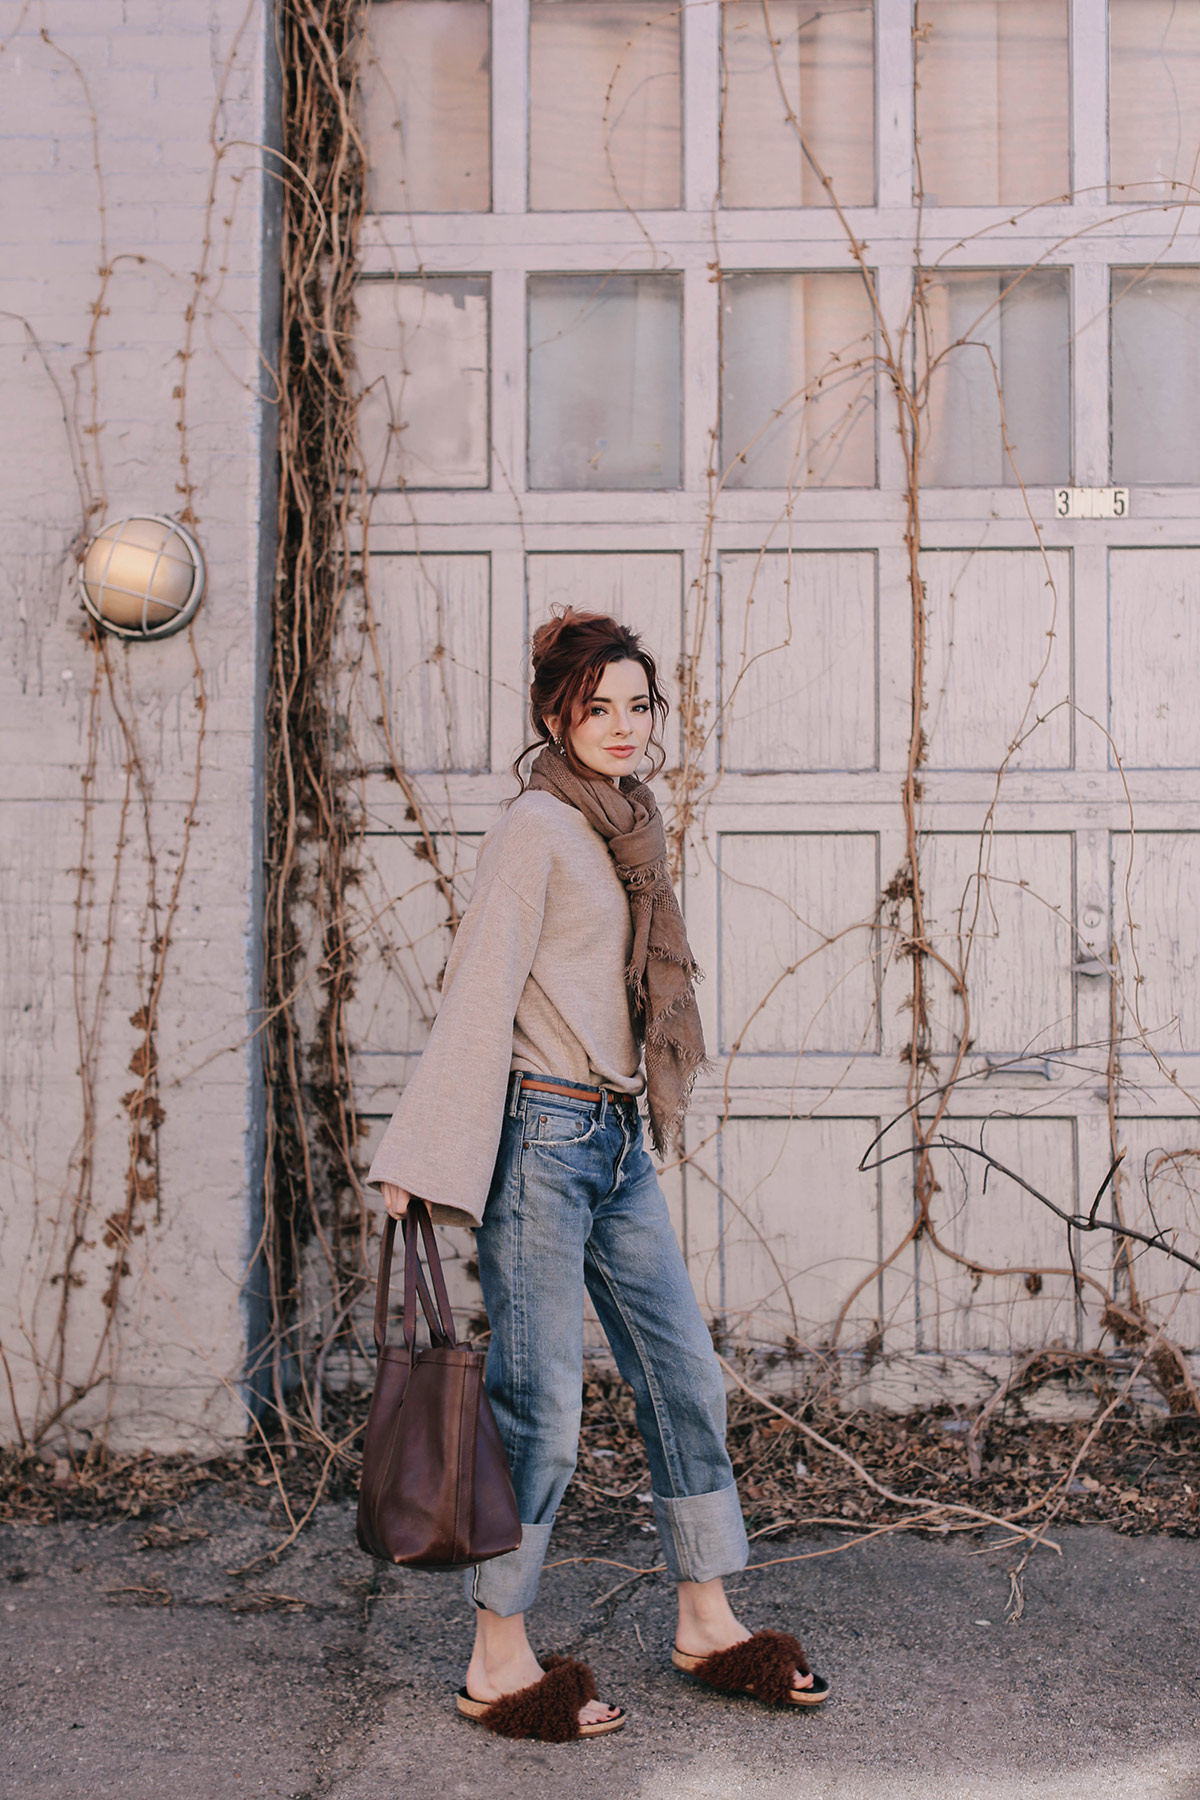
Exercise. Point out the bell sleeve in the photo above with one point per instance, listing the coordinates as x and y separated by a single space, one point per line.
443 1137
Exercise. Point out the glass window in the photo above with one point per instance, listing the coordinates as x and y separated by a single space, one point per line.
604 388
797 381
993 102
1156 376
995 347
425 88
798 101
1154 95
421 348
604 104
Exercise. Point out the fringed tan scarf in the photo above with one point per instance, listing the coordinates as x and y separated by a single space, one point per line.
661 967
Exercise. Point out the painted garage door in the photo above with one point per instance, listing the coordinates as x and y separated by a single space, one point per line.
850 354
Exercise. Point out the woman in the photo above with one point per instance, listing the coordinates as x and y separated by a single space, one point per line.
522 1120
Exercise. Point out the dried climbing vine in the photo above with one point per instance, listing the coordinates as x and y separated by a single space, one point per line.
311 1194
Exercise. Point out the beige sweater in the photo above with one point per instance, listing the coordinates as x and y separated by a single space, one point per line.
535 981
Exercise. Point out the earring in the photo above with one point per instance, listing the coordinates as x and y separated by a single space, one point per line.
558 745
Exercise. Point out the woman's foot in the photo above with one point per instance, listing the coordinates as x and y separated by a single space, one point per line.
707 1622
492 1679
503 1662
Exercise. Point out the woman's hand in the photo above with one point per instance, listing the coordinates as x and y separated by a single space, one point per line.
395 1198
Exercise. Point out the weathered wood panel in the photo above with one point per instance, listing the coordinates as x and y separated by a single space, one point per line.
433 629
967 1301
782 1226
400 916
1159 950
1154 102
999 658
604 105
799 683
993 108
425 98
1000 912
1160 1191
1154 654
797 942
822 59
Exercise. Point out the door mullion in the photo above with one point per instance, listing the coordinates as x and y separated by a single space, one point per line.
894 102
510 104
1089 101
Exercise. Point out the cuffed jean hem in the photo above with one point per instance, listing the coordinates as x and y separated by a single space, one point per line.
702 1535
508 1584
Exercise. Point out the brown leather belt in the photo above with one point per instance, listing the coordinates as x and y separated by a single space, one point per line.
535 1084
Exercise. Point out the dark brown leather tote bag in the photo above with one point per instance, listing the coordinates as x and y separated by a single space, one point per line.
435 1491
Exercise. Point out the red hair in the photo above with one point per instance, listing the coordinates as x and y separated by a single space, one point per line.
570 654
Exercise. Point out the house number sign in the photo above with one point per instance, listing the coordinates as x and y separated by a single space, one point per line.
1091 503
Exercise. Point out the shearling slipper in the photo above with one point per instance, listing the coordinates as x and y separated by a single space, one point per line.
761 1665
548 1709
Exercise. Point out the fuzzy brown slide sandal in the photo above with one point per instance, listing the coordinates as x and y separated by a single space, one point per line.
547 1709
760 1666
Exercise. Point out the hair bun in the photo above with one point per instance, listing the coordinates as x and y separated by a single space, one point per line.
547 637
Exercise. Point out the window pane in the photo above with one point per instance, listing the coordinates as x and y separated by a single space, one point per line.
1156 376
603 104
1154 94
802 347
604 393
984 343
820 63
993 101
425 98
422 353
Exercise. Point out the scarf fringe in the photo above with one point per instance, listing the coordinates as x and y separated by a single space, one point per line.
636 980
665 1136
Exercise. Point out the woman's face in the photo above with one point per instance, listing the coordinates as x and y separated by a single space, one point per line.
612 734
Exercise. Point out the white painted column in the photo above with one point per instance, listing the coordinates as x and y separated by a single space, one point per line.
894 101
1089 101
701 35
510 104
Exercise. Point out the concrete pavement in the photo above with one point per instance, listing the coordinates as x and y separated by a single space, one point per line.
137 1673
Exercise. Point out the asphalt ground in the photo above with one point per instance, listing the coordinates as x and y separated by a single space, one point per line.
158 1673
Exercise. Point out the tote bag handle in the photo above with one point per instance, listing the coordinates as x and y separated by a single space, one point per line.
439 1318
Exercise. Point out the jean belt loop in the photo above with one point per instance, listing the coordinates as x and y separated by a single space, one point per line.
514 1092
603 1106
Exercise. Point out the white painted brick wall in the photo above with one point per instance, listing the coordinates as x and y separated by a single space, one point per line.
152 69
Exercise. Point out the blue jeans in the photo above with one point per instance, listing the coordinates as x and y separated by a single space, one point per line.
575 1202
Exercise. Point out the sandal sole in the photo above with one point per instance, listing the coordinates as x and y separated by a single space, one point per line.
475 1709
812 1696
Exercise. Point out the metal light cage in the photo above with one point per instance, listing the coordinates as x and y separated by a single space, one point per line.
142 577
